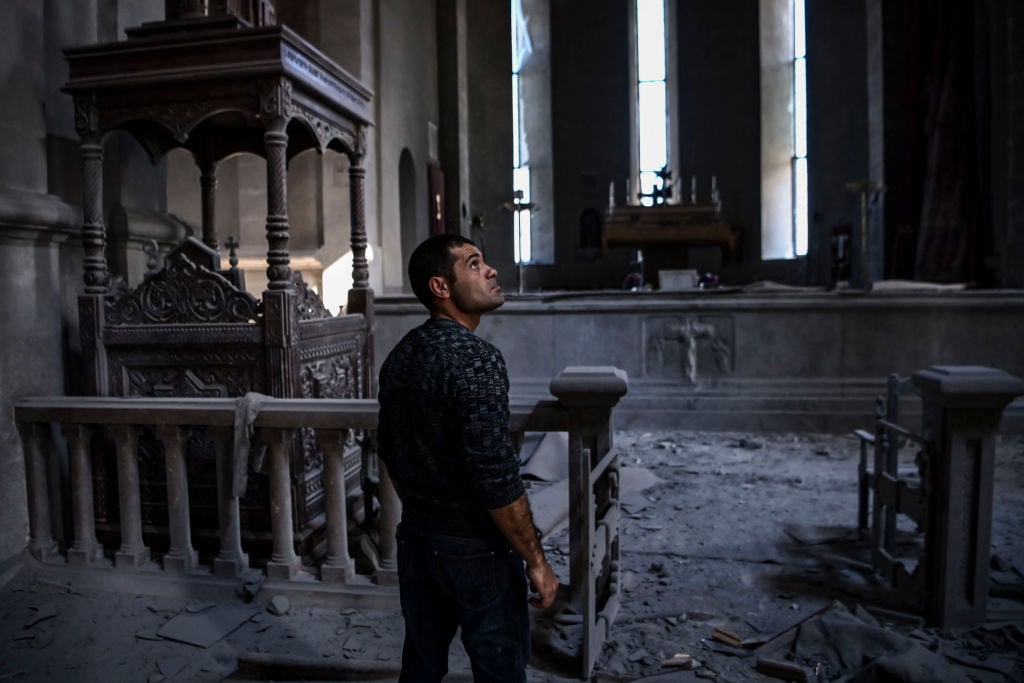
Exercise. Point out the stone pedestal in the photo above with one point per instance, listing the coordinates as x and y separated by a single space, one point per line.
962 409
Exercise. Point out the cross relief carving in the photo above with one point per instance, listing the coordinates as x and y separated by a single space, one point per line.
697 348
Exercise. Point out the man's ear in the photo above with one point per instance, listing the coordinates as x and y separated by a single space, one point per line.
439 287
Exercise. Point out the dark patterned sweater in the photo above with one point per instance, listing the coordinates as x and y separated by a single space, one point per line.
444 430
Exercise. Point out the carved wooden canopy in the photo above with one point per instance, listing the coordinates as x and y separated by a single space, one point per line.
217 86
215 89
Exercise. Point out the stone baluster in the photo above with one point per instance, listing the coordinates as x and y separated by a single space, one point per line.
338 566
283 563
133 553
181 556
41 544
962 409
387 527
85 549
230 560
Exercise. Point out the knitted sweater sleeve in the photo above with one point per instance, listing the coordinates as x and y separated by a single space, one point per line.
481 399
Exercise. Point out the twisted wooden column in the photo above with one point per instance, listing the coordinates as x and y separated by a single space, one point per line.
208 187
360 297
279 273
357 182
94 233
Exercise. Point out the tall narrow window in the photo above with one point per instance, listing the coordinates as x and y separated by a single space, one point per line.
799 131
521 238
651 113
784 177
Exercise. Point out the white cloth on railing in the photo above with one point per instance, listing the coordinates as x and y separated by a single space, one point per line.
247 408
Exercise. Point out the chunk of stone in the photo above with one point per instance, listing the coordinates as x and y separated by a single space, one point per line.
203 630
279 605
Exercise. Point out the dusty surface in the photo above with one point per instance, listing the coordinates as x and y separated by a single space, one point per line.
751 533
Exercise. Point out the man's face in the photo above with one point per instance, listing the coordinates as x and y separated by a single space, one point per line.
475 289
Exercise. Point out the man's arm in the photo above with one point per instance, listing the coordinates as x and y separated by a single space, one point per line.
516 523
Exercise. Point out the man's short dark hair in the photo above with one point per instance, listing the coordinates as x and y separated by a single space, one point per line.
433 257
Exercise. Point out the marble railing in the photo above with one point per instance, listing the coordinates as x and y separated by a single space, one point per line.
583 405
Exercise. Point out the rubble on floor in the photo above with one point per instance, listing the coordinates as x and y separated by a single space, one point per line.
736 549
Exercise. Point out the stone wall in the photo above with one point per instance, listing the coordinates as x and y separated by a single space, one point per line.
751 361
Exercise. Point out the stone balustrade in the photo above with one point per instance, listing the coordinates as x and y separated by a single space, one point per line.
585 398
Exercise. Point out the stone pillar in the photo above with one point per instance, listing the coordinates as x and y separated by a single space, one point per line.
962 408
589 393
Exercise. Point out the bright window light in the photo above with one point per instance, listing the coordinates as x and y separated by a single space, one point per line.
521 243
800 200
652 114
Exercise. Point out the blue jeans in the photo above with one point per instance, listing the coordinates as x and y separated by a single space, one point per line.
447 583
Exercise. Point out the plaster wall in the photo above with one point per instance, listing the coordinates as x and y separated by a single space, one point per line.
407 100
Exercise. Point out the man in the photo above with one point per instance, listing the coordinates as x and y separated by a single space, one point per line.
466 524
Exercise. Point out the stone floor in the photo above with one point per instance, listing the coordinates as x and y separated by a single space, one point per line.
750 534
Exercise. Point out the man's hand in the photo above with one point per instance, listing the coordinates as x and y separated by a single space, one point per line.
544 582
516 523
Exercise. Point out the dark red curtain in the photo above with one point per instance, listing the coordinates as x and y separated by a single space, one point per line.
938 206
